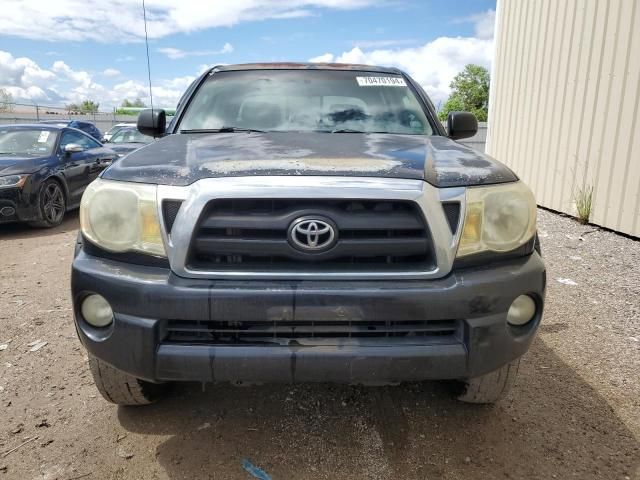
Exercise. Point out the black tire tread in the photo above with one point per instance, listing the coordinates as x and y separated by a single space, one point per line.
489 388
120 388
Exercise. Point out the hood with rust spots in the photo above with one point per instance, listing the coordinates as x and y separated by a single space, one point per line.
182 159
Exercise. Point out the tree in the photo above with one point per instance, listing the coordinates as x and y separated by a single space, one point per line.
89 106
469 93
72 107
137 103
6 100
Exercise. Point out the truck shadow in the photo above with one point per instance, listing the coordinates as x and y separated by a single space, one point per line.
12 231
553 425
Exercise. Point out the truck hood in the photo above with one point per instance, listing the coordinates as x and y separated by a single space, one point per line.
182 159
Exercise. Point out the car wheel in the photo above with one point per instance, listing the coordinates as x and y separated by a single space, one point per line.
491 387
52 203
121 388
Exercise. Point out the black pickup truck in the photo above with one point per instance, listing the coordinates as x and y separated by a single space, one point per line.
306 223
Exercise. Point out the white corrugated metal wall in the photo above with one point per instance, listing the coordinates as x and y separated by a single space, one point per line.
563 109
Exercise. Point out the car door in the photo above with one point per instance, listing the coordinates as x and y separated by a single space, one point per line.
102 156
74 164
98 156
81 168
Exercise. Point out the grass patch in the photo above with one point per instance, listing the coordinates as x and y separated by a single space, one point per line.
583 200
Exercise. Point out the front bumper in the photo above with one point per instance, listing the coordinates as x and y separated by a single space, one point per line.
18 204
144 299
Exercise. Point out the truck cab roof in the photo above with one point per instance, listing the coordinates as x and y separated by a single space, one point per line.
306 66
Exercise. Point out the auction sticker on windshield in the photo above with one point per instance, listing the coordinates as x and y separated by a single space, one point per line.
381 81
44 136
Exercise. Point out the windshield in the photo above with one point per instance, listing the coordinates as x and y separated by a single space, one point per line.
306 101
114 129
130 135
27 142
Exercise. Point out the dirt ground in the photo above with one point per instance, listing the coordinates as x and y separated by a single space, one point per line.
575 412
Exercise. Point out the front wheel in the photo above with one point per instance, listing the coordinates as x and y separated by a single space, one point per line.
491 387
52 205
123 389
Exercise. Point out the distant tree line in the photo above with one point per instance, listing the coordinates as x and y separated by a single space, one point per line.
137 103
86 106
91 106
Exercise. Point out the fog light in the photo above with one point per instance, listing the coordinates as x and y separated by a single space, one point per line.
522 310
97 311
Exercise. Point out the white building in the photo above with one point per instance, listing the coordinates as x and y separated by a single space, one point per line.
564 107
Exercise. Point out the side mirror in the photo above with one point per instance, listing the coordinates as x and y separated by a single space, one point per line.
152 122
73 148
461 125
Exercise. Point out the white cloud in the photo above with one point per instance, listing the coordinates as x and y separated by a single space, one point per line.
81 77
164 95
111 72
29 94
483 23
22 71
61 84
180 83
324 58
176 53
121 20
433 64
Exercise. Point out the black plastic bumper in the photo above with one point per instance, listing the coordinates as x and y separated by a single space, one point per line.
18 205
143 298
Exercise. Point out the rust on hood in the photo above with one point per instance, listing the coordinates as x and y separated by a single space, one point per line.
182 159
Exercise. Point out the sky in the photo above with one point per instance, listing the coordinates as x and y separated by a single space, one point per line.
65 51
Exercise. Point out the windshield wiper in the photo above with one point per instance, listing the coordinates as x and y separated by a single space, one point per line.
222 130
351 130
347 130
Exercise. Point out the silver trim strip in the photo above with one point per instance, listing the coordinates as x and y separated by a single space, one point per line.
197 195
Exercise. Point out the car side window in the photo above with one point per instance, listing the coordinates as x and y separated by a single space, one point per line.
79 138
90 142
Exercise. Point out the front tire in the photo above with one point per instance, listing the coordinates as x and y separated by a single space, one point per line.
121 388
491 387
52 205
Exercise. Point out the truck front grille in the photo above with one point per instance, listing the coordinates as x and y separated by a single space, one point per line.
225 332
170 210
244 235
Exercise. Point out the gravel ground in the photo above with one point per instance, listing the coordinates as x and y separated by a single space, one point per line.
575 412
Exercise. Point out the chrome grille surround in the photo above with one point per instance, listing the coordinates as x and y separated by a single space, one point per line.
195 198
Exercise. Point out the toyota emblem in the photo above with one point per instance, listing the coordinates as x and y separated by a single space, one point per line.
312 234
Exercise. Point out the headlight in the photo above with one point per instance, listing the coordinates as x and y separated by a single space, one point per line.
121 217
13 181
499 218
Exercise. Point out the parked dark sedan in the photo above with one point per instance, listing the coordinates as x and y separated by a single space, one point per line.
86 127
44 170
128 139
